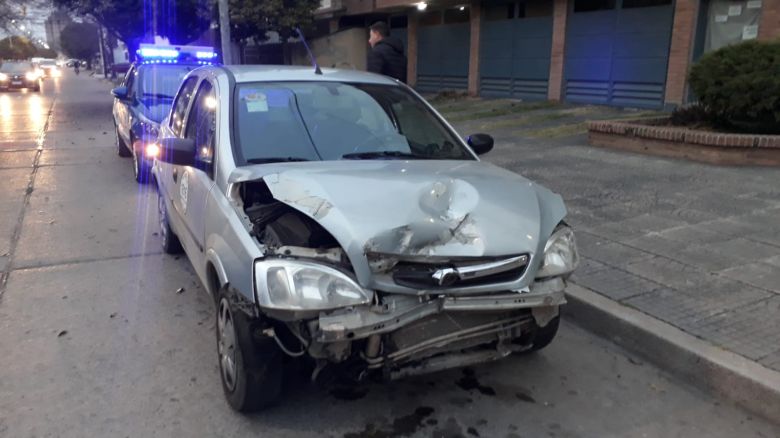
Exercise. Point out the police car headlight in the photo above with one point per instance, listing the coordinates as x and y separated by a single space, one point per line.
560 254
299 285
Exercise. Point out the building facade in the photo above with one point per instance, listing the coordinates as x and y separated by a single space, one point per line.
54 24
634 53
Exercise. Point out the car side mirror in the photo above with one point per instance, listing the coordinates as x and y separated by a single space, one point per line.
178 151
481 143
120 93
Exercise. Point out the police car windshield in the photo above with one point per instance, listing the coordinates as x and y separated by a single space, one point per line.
333 121
16 67
162 81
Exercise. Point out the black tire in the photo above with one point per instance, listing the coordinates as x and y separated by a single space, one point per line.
255 381
142 172
545 335
121 148
169 241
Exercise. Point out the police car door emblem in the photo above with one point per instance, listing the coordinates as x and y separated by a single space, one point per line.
184 189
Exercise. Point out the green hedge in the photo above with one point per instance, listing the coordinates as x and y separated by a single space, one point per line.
739 86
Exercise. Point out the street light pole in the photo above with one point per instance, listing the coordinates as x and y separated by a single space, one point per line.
224 31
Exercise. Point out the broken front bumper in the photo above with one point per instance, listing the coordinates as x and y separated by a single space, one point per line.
397 311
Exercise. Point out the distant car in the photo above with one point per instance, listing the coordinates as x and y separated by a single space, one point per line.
49 68
335 218
19 74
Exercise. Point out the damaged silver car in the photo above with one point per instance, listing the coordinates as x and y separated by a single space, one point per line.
336 219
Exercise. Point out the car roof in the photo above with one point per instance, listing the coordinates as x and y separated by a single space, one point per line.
274 73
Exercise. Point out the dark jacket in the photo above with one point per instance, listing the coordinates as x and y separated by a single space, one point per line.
387 58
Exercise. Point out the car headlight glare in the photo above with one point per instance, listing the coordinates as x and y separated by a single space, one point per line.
3 77
31 76
300 285
560 254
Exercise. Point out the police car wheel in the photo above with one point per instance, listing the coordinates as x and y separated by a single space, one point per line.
170 242
250 370
121 147
141 170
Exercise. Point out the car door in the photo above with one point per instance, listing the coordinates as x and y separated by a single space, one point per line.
168 173
122 108
195 182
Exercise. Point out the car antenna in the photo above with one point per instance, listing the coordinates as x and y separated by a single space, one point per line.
317 70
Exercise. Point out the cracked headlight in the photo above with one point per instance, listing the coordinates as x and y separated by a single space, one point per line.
560 254
299 285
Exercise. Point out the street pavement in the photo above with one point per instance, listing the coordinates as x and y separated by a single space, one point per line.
102 335
694 245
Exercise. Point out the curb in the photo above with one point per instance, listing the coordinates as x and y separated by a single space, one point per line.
743 381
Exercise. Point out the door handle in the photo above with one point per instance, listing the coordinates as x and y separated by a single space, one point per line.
175 174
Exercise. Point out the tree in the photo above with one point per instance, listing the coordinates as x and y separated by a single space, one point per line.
17 47
45 53
80 41
252 19
135 21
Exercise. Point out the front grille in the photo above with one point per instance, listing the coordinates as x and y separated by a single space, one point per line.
422 275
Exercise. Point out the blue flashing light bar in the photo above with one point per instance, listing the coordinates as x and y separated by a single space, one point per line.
164 54
156 52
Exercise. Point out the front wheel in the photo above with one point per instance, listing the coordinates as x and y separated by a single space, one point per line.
141 169
545 335
251 373
121 148
169 241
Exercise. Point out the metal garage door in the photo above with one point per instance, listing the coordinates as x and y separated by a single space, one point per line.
515 49
617 51
443 52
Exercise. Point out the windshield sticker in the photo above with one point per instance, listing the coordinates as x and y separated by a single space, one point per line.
256 102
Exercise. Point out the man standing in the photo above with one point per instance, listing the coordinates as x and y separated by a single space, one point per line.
386 55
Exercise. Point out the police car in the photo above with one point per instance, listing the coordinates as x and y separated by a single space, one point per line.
145 97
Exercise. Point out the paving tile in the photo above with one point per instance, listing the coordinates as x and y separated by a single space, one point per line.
616 284
615 254
688 215
657 244
686 309
771 361
763 275
669 272
729 228
691 234
752 330
743 249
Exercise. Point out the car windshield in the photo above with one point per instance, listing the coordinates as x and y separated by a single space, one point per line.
16 67
162 81
300 121
48 63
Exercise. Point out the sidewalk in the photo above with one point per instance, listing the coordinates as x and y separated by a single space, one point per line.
692 245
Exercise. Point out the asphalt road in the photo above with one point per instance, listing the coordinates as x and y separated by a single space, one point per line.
96 338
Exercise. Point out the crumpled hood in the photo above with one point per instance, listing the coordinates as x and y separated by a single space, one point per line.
416 208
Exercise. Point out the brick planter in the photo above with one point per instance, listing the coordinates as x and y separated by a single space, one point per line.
650 137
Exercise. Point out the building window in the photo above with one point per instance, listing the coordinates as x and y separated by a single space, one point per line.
503 11
399 22
459 14
730 22
629 4
431 18
593 5
535 8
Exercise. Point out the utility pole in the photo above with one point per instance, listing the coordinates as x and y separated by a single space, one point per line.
100 42
224 31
